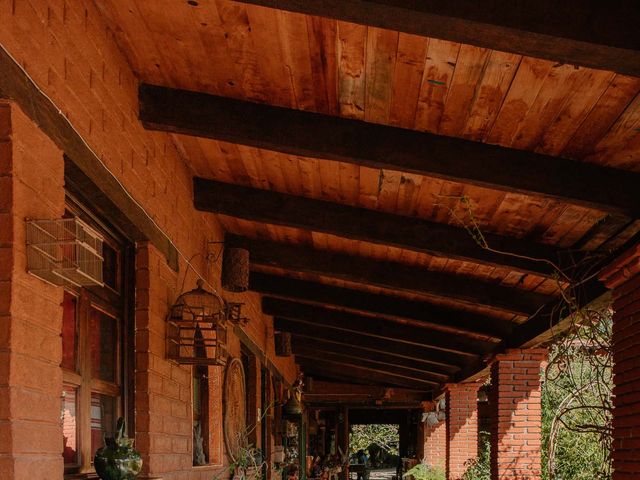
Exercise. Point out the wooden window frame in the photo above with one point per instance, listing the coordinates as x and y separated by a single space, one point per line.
116 303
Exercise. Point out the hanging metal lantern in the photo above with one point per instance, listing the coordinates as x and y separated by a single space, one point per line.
196 328
235 269
294 404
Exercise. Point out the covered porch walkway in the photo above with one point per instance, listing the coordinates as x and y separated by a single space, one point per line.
389 202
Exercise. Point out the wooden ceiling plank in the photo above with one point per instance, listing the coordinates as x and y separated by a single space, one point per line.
583 97
523 91
392 276
323 33
371 226
564 32
603 115
407 79
470 67
294 41
354 324
436 81
351 48
330 138
490 93
549 102
382 49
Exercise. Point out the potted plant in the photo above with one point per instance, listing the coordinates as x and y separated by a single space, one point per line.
117 460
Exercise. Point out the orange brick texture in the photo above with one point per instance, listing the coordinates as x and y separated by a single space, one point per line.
461 427
72 56
30 311
435 439
516 417
624 278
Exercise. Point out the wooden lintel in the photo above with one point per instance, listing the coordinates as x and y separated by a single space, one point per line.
599 35
82 165
407 233
327 137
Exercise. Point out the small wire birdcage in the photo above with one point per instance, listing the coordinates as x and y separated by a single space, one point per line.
196 328
64 251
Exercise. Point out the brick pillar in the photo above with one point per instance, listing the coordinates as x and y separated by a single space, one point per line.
435 439
623 277
461 427
516 416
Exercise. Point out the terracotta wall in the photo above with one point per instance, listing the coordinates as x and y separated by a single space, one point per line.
72 57
31 186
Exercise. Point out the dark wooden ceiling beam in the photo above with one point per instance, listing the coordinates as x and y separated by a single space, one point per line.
302 346
309 329
313 354
372 226
363 375
378 146
353 324
393 353
423 312
393 276
600 35
327 392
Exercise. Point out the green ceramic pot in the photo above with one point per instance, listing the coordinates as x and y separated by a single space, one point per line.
117 460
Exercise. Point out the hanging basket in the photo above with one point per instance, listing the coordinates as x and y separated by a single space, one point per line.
235 269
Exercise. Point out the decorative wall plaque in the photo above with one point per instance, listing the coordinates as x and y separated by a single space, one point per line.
234 405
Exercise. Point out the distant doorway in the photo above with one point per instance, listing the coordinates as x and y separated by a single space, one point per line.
374 451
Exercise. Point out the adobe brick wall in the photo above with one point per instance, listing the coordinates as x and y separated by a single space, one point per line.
623 276
516 415
31 180
461 427
72 56
435 449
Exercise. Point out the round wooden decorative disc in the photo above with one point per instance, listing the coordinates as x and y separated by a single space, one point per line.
235 415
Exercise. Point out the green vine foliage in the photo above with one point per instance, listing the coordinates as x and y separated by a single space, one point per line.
577 402
422 471
480 468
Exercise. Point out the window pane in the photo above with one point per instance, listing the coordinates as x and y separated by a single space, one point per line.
69 427
103 420
104 342
69 332
110 266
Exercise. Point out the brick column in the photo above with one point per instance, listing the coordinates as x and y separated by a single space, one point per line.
435 444
623 277
461 427
516 417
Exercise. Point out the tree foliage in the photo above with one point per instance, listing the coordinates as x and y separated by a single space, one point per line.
384 436
577 400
